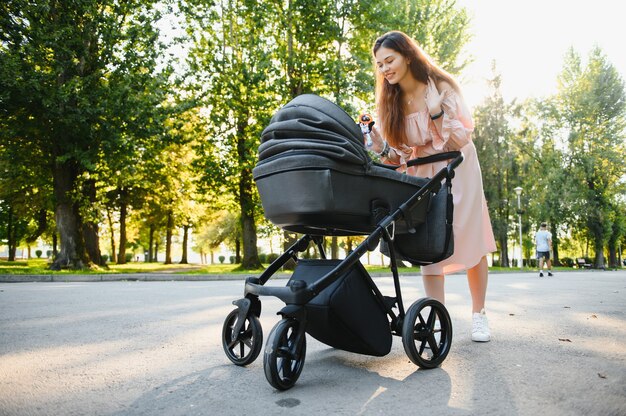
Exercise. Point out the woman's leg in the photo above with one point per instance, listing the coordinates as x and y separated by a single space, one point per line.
434 287
477 278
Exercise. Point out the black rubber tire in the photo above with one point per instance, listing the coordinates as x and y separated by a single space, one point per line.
419 335
281 361
242 348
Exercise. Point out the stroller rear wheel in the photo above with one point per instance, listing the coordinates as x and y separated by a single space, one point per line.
244 346
284 354
427 333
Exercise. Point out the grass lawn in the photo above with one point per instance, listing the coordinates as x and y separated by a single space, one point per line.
40 266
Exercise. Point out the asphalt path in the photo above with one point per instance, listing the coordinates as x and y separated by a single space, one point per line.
154 348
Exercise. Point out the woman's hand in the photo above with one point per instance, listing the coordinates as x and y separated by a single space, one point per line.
434 98
377 140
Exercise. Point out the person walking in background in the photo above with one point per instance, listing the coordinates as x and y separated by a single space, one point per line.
543 240
422 112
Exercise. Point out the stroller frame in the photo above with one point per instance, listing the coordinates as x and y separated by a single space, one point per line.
286 347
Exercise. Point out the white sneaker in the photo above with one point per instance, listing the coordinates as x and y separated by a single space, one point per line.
480 327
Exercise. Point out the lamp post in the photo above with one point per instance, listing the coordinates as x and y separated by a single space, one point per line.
518 191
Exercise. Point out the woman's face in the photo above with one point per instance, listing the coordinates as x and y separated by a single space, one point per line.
392 65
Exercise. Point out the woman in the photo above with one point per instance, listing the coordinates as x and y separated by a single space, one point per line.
421 112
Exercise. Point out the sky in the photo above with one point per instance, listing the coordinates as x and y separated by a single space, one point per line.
528 40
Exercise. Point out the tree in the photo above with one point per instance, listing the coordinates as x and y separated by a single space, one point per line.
67 69
493 138
439 26
591 104
232 73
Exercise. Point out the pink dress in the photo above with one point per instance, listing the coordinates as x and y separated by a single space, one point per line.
473 235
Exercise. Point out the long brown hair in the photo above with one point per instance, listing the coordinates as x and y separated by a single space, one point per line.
389 97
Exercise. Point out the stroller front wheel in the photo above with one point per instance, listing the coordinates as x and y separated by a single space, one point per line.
284 354
242 346
427 333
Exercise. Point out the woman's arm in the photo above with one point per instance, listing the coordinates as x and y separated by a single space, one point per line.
454 126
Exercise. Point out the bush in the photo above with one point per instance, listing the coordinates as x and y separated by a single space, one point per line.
38 253
221 259
263 258
271 258
232 259
128 257
105 258
567 262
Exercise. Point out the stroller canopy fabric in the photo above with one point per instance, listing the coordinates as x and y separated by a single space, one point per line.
313 125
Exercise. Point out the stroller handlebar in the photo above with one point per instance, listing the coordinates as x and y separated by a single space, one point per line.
456 156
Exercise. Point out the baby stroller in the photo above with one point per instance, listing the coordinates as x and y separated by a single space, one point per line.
315 178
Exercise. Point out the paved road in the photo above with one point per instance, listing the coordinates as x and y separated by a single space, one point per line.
153 348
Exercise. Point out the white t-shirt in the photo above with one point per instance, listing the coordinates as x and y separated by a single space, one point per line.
542 239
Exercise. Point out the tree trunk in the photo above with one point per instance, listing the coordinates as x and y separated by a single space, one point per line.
121 256
92 243
288 240
237 251
150 243
247 207
168 238
599 260
555 253
11 235
90 228
504 251
183 260
250 251
613 262
334 248
112 232
68 221
613 246
55 250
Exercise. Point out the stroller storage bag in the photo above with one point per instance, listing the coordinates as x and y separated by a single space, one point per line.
345 315
432 241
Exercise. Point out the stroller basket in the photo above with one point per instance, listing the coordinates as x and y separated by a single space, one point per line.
346 314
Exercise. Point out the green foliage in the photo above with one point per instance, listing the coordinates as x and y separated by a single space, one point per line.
439 26
81 91
493 138
591 109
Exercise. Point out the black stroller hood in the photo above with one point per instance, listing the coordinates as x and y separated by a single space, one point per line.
312 125
314 175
